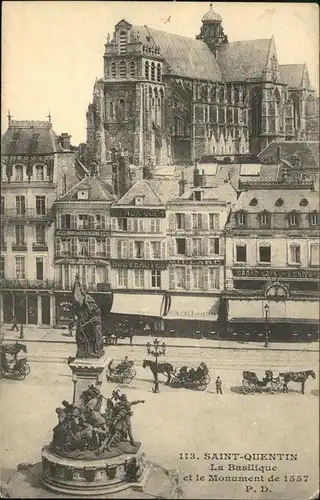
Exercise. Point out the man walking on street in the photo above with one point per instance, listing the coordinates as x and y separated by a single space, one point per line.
130 337
219 385
14 324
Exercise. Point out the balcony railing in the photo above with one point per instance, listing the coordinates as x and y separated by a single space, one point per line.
27 214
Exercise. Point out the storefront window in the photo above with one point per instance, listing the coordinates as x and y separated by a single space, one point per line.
123 278
197 276
139 278
156 279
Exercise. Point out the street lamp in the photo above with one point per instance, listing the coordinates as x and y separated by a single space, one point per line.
266 341
156 349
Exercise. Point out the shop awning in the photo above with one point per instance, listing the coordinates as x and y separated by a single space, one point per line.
194 308
243 311
138 304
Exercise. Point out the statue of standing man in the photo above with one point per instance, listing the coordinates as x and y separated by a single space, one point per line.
89 333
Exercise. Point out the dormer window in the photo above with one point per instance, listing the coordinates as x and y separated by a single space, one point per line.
279 202
253 202
18 173
304 202
83 194
197 195
265 219
123 42
314 219
39 171
293 219
241 218
139 200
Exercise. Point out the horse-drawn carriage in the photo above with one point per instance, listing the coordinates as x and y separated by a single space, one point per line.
10 365
190 378
123 373
252 384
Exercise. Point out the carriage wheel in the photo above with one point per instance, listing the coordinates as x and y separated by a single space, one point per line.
26 368
19 374
276 386
207 379
248 386
202 386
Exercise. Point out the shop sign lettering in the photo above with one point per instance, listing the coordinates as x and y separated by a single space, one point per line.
81 232
139 264
138 212
276 273
198 262
190 313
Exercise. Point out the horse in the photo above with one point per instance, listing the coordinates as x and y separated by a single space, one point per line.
299 377
163 368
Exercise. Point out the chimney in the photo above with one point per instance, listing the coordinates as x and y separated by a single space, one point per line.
64 140
202 179
279 153
182 184
196 177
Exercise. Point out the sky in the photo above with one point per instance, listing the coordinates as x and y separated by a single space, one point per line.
52 51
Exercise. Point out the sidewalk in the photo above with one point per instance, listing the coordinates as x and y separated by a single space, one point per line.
51 335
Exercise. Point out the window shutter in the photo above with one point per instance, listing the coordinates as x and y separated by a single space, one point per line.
163 250
119 249
108 248
59 221
221 246
142 225
92 246
73 221
170 247
189 247
158 226
91 222
147 249
130 250
217 246
130 225
188 222
171 277
74 246
103 222
152 225
146 225
58 245
205 277
114 225
172 222
188 277
205 246
135 225
205 222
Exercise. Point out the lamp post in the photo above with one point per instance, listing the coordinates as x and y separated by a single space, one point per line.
266 341
156 349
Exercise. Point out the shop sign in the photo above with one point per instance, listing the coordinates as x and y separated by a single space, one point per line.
82 232
192 262
190 314
138 264
276 273
138 212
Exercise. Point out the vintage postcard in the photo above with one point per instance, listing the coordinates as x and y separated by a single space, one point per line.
159 269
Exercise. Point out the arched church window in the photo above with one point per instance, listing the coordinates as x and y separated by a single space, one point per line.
146 70
132 69
153 72
113 70
123 69
158 72
123 42
156 93
121 109
256 99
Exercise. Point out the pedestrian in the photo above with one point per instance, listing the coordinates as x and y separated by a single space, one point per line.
70 326
116 339
113 339
130 337
14 324
219 385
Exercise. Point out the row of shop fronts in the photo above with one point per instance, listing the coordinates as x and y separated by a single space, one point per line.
182 315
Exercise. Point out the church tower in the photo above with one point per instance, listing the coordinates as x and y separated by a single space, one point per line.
212 31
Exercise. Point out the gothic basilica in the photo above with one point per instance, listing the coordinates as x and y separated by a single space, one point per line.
168 99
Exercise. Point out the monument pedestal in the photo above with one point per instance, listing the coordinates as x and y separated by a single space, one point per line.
85 372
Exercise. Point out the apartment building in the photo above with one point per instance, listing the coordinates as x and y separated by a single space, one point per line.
272 259
82 244
37 167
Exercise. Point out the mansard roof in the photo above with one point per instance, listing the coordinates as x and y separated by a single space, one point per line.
292 74
155 192
300 154
25 137
241 61
98 191
184 56
267 200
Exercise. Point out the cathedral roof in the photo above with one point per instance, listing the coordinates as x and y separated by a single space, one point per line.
185 57
29 137
300 154
292 74
97 191
241 61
